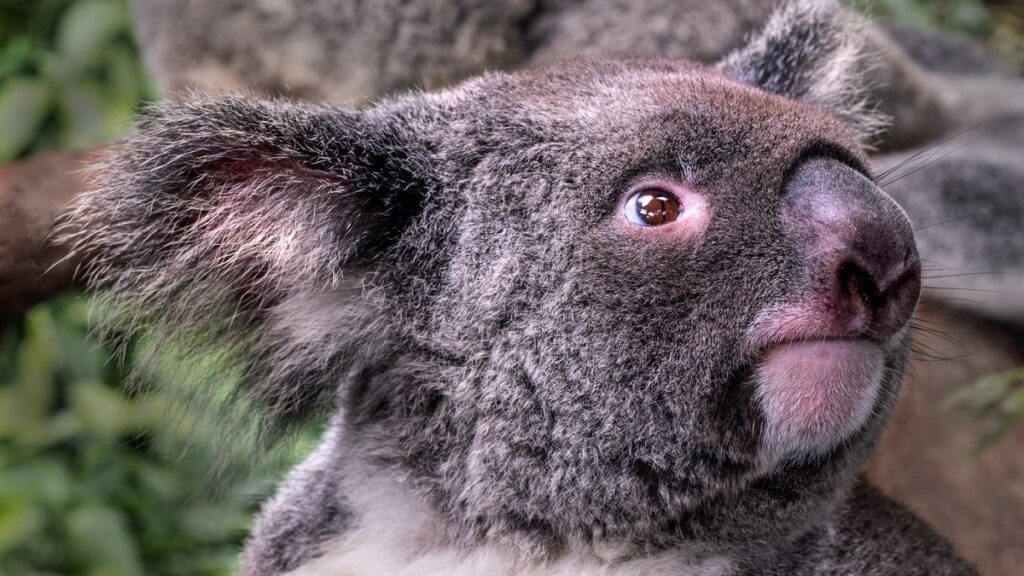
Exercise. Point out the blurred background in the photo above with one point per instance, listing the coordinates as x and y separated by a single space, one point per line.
100 479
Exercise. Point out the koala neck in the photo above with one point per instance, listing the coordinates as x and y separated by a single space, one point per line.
395 532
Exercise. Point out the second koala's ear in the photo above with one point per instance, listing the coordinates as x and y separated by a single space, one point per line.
814 51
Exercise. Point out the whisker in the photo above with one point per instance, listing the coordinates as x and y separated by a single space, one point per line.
931 149
948 299
917 169
951 220
961 288
1001 273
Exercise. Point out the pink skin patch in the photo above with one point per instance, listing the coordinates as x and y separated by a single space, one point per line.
815 394
817 378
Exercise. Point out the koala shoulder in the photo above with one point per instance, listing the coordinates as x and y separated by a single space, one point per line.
875 536
305 513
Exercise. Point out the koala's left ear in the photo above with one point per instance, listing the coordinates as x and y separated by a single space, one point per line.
217 214
266 196
814 51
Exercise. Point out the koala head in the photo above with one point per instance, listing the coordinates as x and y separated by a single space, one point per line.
637 300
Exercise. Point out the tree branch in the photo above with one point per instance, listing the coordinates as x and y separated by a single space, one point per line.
33 193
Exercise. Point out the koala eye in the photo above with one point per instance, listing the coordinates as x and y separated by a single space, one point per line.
652 207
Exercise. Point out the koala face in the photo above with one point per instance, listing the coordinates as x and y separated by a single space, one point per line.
639 300
659 287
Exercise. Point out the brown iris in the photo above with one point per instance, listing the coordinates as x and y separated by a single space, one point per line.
652 207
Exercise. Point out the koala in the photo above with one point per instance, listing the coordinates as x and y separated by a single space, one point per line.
602 316
346 51
931 87
940 93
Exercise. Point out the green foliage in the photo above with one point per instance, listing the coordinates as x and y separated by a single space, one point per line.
997 400
971 17
83 489
96 477
69 74
999 24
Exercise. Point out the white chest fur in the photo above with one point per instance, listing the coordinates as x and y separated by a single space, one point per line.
397 535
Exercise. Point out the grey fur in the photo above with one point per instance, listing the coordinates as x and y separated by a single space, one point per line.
864 545
339 49
812 52
306 512
441 266
944 51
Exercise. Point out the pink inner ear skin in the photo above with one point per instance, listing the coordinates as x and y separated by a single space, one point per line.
814 394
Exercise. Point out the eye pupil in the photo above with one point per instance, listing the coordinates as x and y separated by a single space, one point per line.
655 207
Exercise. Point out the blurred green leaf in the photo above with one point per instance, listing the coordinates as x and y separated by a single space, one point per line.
124 78
102 410
968 16
24 405
1013 405
44 480
85 30
102 539
24 104
11 420
213 522
908 11
85 115
997 399
18 521
15 56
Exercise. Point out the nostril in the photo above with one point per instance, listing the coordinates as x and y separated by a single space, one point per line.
857 285
899 300
909 279
879 299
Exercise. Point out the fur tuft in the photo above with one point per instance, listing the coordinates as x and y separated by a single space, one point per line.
814 51
241 225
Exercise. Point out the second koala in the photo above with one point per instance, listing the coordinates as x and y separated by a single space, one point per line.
604 317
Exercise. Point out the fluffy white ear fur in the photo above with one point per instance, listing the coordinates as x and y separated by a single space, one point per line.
814 51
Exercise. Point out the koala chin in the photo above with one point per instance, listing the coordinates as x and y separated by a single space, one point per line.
815 395
610 317
823 356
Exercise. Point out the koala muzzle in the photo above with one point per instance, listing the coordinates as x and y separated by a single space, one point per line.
861 262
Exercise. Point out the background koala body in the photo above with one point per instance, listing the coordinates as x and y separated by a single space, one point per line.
507 358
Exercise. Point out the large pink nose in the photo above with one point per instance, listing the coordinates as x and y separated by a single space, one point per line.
861 263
